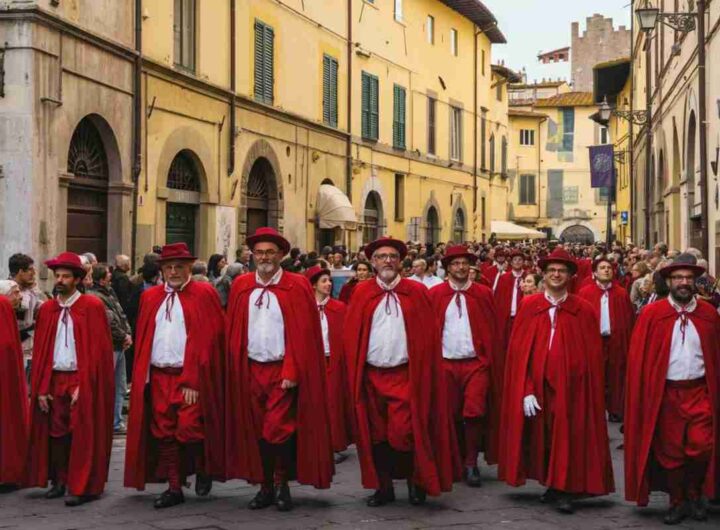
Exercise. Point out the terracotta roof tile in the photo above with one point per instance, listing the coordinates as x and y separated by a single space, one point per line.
517 113
568 99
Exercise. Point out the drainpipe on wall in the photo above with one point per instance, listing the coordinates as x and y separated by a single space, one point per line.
648 142
631 211
137 129
231 145
703 131
348 146
475 121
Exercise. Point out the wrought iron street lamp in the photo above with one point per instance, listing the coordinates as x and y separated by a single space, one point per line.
637 117
648 17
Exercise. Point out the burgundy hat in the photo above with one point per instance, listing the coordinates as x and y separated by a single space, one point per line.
597 261
313 273
385 241
268 235
500 251
175 251
457 251
683 261
516 252
559 255
66 260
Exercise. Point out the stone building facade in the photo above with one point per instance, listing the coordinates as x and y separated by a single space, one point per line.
598 43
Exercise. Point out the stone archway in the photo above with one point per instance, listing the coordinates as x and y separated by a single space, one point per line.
577 234
183 202
459 229
261 196
431 227
372 217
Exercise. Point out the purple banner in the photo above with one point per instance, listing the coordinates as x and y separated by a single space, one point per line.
602 166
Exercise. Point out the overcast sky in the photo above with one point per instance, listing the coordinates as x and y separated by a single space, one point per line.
531 26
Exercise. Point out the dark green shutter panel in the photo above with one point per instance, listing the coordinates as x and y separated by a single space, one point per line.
268 60
326 89
374 113
259 41
401 118
365 105
330 89
334 93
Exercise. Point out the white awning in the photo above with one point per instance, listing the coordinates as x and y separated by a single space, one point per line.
508 230
334 209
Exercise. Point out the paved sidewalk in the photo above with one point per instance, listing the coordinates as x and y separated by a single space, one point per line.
492 506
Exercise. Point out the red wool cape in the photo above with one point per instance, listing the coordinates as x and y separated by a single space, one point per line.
489 272
92 437
646 373
622 319
503 304
202 371
338 388
431 425
304 362
579 453
584 271
13 404
483 324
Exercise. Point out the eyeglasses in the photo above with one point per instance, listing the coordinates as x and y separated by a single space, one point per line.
682 278
263 253
556 271
387 257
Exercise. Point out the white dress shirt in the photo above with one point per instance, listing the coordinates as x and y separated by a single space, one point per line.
324 326
500 272
552 312
387 346
517 278
431 281
64 352
457 339
686 357
266 325
605 310
168 349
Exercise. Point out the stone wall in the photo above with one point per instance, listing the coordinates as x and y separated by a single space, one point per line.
599 42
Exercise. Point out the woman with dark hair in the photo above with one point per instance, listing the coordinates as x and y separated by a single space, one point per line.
363 272
215 266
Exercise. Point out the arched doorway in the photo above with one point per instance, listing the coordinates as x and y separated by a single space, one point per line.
432 227
372 217
459 226
183 184
695 222
88 192
260 193
577 234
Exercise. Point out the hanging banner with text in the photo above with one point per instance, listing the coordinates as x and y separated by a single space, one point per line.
602 166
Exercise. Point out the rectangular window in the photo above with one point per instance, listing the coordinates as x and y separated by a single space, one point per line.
482 213
604 135
264 62
430 29
483 140
482 62
399 117
454 42
399 10
399 197
571 194
370 115
527 137
184 34
432 110
456 133
527 189
568 118
603 195
330 91
498 91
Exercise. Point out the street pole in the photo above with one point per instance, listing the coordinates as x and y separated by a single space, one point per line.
648 140
703 131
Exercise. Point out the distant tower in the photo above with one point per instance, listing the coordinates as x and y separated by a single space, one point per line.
600 42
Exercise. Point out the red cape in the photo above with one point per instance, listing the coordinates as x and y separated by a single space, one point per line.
338 389
92 437
304 362
645 385
503 303
579 452
347 291
14 403
432 430
490 272
622 319
202 371
483 323
584 271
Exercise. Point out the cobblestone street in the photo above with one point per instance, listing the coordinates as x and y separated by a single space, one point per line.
492 506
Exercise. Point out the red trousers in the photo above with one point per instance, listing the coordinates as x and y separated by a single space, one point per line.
274 410
465 390
684 429
388 406
63 417
172 418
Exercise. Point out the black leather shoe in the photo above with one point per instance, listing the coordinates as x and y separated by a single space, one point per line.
381 498
56 491
416 494
676 514
264 498
8 488
564 504
283 501
168 499
472 477
699 510
78 500
203 485
549 496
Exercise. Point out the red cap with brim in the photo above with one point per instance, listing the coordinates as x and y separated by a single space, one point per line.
457 251
398 245
175 252
268 235
559 255
313 273
66 260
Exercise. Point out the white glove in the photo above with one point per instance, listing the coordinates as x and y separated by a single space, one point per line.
530 406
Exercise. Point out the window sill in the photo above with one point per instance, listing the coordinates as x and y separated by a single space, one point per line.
400 148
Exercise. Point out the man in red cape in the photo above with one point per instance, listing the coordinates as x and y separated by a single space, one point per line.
616 315
397 382
277 416
331 314
176 420
508 295
492 270
672 404
465 312
72 390
553 426
13 404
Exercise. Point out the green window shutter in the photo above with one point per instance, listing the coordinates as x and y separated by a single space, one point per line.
398 117
330 89
259 46
268 64
326 90
365 105
374 108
